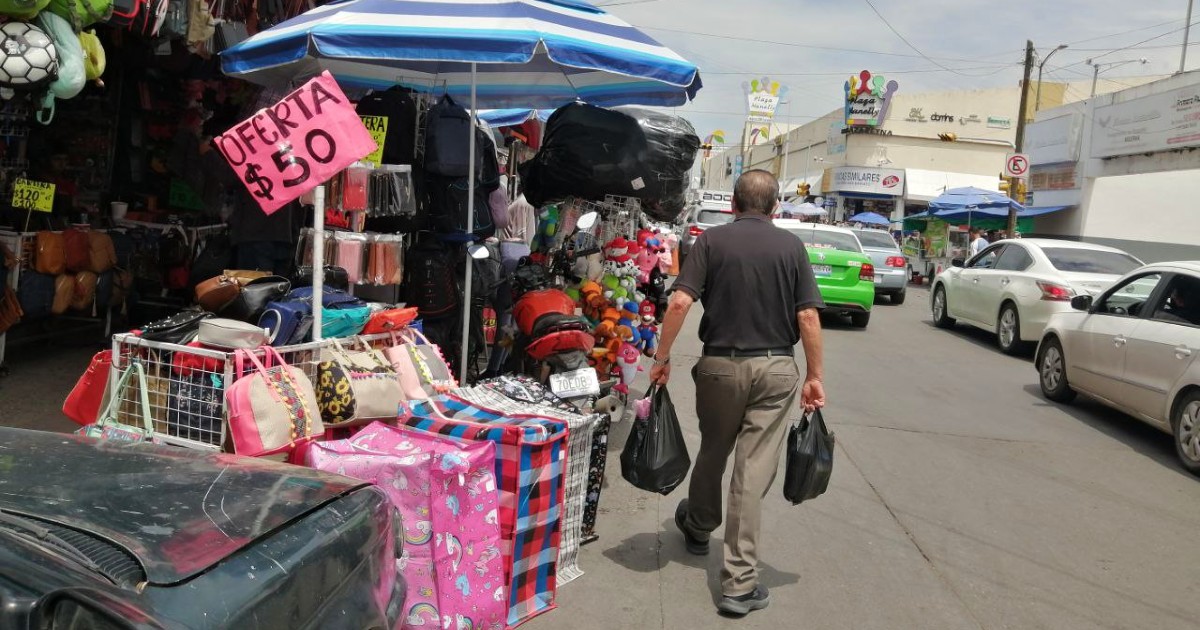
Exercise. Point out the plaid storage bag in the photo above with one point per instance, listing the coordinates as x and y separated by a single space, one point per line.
445 490
530 468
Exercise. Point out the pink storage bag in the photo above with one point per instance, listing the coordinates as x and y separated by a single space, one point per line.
447 496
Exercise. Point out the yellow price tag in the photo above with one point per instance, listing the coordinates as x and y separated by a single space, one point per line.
378 126
33 195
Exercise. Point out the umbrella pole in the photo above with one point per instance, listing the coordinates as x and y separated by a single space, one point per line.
318 259
466 325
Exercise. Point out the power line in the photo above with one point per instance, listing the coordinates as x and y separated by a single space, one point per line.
910 44
1144 28
842 74
1117 50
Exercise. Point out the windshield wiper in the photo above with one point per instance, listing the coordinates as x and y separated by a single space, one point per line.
36 533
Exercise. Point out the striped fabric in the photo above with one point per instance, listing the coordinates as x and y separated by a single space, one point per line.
529 473
529 53
581 441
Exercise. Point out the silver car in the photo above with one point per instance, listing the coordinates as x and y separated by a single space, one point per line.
703 217
891 267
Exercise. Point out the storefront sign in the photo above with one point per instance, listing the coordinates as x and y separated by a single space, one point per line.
875 181
836 141
33 195
762 98
867 99
916 114
1054 140
870 131
972 119
1168 120
378 126
1053 177
285 150
996 122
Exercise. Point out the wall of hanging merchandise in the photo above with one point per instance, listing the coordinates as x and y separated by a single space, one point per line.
187 384
368 258
362 191
619 216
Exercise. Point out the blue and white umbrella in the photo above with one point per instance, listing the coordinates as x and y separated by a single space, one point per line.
512 117
528 53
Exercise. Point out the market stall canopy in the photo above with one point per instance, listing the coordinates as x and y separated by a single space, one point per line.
870 218
529 53
811 210
513 117
972 199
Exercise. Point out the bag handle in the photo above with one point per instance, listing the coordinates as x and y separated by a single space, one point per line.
110 413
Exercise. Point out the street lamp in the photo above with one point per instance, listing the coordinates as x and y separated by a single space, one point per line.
1109 66
1037 101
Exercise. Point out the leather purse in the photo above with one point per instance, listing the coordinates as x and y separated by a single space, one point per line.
102 255
216 293
84 290
390 319
83 403
230 334
51 256
252 301
179 328
335 277
64 292
287 322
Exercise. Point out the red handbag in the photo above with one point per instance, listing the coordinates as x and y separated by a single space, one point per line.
83 403
389 320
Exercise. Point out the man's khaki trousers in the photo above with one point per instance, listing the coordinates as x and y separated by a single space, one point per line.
742 403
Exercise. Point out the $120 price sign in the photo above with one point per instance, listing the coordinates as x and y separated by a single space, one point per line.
295 145
33 195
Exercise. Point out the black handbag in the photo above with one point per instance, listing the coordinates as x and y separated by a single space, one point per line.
180 328
255 295
335 277
809 459
655 456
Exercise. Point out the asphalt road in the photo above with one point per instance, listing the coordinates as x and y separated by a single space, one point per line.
960 499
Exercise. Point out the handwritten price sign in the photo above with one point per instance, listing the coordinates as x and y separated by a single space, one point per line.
33 195
288 149
378 126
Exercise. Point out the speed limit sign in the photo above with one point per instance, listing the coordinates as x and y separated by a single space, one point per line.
1016 165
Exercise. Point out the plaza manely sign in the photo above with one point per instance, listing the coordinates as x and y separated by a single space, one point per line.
868 99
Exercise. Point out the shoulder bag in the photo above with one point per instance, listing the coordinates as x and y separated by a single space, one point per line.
83 403
106 426
357 387
179 328
420 367
230 334
51 257
271 410
252 300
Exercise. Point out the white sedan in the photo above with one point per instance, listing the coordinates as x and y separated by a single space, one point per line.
1013 287
1133 348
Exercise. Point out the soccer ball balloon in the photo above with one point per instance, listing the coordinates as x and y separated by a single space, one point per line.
28 59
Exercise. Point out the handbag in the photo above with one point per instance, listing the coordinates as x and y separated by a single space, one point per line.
64 292
194 409
216 293
356 387
271 410
107 427
102 255
343 322
252 300
655 456
231 334
420 367
50 257
287 322
83 293
77 250
83 403
179 328
809 459
335 278
390 319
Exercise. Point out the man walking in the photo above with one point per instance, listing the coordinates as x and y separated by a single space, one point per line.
978 242
759 298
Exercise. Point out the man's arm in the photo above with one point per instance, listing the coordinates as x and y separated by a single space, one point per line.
812 393
677 310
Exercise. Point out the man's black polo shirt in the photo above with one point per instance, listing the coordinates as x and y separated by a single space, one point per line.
752 279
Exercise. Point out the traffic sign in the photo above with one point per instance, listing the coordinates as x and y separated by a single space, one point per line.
1016 165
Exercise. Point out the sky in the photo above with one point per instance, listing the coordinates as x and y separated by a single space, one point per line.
813 46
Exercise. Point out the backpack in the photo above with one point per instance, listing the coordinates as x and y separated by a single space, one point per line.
151 18
431 283
446 140
447 206
175 26
124 12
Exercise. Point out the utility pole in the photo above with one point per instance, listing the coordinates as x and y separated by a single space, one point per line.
1187 25
1020 141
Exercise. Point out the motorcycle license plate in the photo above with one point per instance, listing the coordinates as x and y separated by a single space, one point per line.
582 382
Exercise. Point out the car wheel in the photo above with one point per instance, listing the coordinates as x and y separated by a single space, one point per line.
860 320
1008 330
941 317
1052 372
1187 431
898 298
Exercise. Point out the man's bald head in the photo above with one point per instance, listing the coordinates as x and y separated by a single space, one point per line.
756 192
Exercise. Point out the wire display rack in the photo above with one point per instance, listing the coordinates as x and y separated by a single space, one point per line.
187 384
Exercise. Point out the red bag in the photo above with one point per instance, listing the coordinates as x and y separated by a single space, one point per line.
389 320
78 250
83 403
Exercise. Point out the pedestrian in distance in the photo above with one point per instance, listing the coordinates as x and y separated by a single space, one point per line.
978 242
760 298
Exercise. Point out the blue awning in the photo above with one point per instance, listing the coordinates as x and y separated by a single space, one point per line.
1037 211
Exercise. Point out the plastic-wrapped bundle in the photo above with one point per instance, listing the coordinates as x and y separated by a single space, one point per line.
589 152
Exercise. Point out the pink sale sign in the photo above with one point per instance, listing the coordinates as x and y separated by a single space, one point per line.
286 150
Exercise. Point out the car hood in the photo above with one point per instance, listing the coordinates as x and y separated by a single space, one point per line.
1089 283
179 512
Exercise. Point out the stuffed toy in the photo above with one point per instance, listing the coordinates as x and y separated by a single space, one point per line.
648 329
617 250
628 360
646 260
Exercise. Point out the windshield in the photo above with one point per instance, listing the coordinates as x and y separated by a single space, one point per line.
828 240
876 238
714 217
1091 260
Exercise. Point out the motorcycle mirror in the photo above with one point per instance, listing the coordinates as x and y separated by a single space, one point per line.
479 251
586 221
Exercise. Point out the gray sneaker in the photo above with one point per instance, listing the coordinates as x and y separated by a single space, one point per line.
757 599
695 545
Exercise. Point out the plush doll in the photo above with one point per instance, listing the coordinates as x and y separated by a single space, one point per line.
641 408
628 360
647 258
647 329
617 250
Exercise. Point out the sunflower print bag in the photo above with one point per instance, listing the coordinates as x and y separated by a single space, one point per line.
356 388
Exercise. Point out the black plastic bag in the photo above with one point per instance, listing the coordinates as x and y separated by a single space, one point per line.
656 457
809 459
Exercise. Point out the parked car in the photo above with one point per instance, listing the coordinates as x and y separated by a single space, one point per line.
1134 348
1014 286
845 274
891 266
703 217
107 535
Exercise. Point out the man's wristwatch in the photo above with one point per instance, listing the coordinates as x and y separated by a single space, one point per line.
663 361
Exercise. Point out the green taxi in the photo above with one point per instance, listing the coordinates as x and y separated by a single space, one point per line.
844 272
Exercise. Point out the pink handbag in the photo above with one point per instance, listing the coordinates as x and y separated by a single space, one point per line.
421 368
272 409
446 493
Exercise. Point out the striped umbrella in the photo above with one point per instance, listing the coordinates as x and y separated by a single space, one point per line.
528 53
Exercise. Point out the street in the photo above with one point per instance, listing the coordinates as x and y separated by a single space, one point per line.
960 499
